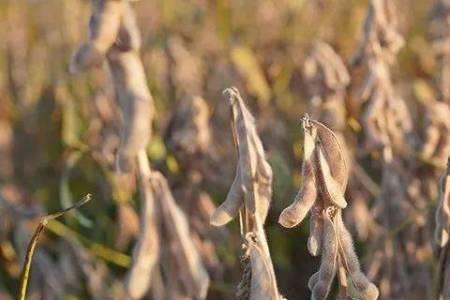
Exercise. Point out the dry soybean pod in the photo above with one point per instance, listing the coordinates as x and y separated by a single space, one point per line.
328 262
315 230
305 198
230 207
146 251
359 281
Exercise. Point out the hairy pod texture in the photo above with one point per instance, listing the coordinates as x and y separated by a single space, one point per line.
250 192
327 271
262 283
326 174
252 186
327 80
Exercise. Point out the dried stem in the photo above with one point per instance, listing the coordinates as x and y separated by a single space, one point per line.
34 240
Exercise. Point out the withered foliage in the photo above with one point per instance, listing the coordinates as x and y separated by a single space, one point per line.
180 261
164 249
399 246
325 175
114 37
385 117
250 196
188 137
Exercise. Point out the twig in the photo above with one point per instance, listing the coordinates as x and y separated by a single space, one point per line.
32 245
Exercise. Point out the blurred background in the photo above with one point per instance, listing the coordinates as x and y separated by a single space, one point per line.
59 132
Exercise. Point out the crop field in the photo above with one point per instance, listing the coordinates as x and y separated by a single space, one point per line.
224 149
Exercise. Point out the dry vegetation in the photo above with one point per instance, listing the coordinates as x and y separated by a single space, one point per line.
346 102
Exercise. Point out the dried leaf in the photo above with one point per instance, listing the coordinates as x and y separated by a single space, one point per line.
327 271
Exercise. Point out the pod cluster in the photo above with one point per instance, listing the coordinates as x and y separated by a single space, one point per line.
386 123
385 116
114 37
250 195
325 176
165 247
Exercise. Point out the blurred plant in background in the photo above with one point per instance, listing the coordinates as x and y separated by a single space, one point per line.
59 134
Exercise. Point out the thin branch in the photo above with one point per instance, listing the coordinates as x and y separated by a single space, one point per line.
34 239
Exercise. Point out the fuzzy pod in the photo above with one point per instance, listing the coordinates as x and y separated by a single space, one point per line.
263 281
359 281
329 260
103 29
253 174
442 230
244 126
264 178
313 280
230 207
315 230
136 105
244 287
334 153
306 196
445 275
331 190
133 95
190 269
146 251
303 202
